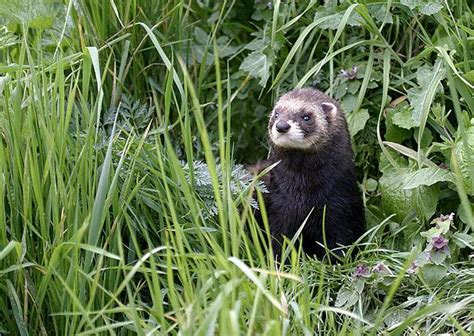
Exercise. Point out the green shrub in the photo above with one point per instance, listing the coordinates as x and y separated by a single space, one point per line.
125 208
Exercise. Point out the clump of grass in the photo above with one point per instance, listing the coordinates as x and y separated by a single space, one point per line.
104 227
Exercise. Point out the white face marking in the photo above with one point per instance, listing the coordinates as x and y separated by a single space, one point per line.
293 138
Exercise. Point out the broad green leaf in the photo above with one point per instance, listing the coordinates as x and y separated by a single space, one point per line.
464 151
357 120
470 76
202 46
336 13
349 101
395 317
34 13
412 4
380 13
426 138
258 44
402 202
462 212
371 185
441 228
430 8
433 273
385 165
346 296
426 177
335 20
421 97
462 240
257 64
396 130
403 118
7 38
438 257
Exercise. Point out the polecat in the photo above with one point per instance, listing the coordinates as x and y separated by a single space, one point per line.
309 136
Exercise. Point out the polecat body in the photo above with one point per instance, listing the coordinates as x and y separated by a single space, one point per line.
309 136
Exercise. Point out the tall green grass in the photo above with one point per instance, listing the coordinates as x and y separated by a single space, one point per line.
109 224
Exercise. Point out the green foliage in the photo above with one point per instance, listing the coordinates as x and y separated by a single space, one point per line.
124 128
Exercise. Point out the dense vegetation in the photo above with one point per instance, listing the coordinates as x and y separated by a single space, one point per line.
123 129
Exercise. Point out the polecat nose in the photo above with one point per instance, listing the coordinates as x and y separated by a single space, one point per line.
282 126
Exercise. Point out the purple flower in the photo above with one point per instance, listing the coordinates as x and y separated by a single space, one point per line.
350 73
413 268
361 271
449 217
380 268
439 243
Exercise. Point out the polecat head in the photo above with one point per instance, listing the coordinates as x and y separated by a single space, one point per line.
303 119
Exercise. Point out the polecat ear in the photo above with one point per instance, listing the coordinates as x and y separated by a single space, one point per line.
330 109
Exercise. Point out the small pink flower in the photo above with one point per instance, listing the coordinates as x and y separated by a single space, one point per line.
449 217
350 73
361 271
413 268
381 268
439 243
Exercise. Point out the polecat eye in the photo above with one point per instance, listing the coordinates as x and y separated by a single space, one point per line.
276 114
306 117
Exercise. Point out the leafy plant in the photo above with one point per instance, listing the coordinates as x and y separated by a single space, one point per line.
124 128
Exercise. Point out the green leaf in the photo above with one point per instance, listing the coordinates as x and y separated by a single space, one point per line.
426 139
432 274
358 285
35 14
412 4
11 246
203 48
224 47
349 102
427 7
395 317
346 297
403 118
17 309
464 151
402 202
7 38
426 177
353 86
431 8
257 64
470 76
356 120
441 227
421 97
258 44
371 185
334 20
438 257
398 122
462 212
462 240
380 13
422 259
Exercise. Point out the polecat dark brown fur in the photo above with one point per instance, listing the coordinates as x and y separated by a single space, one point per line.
309 136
